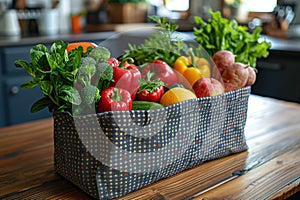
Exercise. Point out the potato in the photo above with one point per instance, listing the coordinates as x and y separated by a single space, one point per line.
222 59
235 76
252 77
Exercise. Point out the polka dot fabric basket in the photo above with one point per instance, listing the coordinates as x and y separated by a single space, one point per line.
114 153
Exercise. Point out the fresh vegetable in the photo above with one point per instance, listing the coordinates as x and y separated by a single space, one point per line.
100 54
113 62
160 70
202 64
145 105
187 66
235 76
89 94
181 64
192 74
161 45
84 45
222 59
251 77
66 75
114 98
94 76
188 70
150 90
127 76
86 71
104 75
55 72
219 33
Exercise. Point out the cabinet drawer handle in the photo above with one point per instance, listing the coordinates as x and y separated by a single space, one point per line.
14 90
270 66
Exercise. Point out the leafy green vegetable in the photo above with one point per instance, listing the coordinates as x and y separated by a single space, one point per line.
165 44
58 73
219 33
55 71
161 45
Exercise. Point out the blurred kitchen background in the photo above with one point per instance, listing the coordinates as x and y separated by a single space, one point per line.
25 23
50 17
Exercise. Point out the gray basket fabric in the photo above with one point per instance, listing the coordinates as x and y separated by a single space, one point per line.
113 153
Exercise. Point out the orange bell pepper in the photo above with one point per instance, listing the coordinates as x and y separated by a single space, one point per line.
189 69
202 64
192 74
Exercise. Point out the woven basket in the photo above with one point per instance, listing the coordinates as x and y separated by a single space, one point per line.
113 153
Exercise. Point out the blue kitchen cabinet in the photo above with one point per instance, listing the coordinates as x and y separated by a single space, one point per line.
15 102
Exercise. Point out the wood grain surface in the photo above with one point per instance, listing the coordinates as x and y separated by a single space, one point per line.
269 169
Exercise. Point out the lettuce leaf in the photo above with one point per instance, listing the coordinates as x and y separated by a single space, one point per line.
219 33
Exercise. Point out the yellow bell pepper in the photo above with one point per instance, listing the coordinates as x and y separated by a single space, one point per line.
181 64
202 64
192 72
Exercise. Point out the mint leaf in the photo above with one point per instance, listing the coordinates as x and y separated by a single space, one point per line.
55 71
40 104
37 53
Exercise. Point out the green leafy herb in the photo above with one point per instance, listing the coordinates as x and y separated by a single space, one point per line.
219 33
58 73
55 71
161 45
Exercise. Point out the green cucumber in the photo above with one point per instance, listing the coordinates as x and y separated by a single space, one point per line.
145 105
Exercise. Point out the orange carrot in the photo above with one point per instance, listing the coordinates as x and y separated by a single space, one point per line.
84 45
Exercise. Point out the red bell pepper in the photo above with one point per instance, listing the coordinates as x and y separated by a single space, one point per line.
126 76
114 98
160 69
150 90
113 62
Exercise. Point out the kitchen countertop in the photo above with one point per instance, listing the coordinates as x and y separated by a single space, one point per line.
17 40
87 36
278 44
269 169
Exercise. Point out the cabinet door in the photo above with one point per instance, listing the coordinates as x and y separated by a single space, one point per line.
10 55
2 118
19 101
278 76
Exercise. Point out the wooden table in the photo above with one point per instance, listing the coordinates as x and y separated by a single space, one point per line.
270 169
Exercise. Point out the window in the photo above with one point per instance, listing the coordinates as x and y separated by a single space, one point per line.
261 5
177 5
